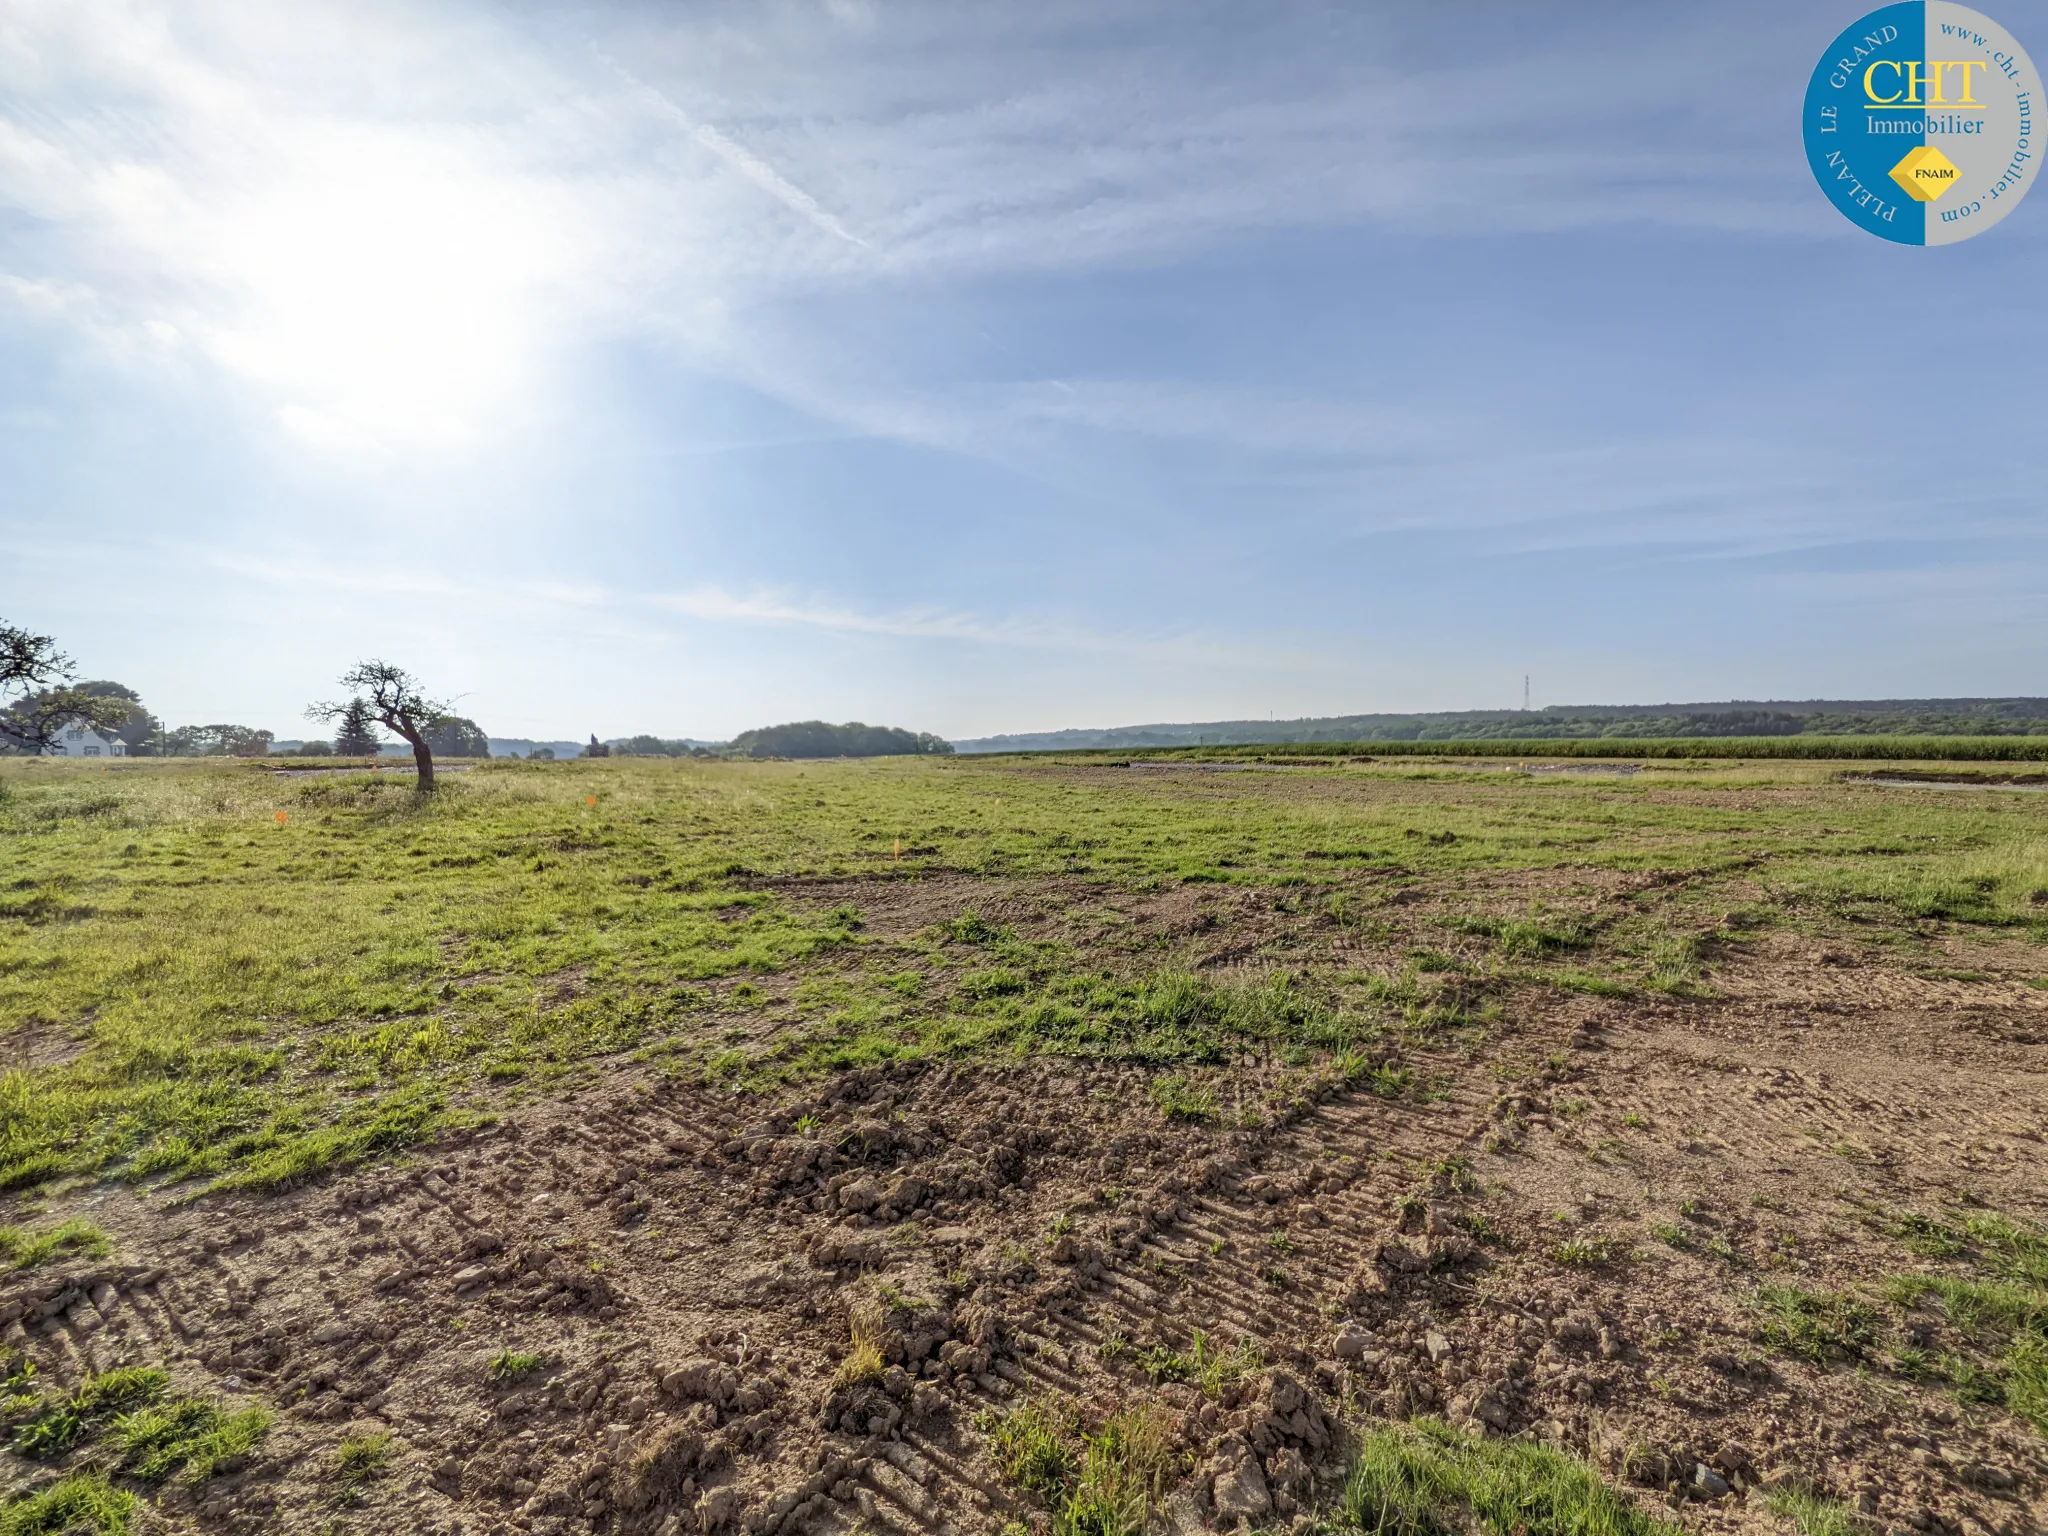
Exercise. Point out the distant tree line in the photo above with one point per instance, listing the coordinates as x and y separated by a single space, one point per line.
38 699
1738 719
661 746
816 738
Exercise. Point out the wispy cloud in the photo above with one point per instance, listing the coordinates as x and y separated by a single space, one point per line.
385 218
717 605
738 156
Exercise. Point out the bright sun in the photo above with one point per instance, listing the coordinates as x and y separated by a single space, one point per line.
387 290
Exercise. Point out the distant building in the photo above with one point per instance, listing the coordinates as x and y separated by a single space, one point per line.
79 740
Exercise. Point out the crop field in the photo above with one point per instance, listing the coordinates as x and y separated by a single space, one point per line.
1084 1145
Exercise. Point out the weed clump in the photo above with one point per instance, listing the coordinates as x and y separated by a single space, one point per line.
188 1435
1427 1479
84 1502
57 1424
1030 1448
151 1436
1208 1367
1104 1485
1584 1252
510 1365
25 1250
1821 1326
866 1325
358 1462
1179 1099
1813 1513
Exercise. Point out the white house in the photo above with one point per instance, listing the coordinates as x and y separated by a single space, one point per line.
77 740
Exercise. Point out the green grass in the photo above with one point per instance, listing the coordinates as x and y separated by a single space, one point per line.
1905 749
21 1250
358 1462
1813 1513
1427 1479
1978 1328
82 1504
187 1434
1031 1449
50 1426
149 1435
510 1365
1202 1363
1821 1326
1179 1099
1100 1482
1584 1252
255 1003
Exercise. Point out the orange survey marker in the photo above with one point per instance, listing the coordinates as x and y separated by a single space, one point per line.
590 800
281 816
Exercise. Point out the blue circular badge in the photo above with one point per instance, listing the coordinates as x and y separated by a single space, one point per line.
1922 123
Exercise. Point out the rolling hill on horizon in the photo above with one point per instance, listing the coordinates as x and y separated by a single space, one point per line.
1736 717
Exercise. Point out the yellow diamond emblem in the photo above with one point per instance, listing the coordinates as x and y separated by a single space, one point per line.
1925 173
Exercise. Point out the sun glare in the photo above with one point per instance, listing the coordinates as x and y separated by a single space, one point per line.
389 292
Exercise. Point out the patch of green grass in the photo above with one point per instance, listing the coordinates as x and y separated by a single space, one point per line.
1214 1369
55 1424
25 1250
1427 1479
1813 1513
358 1462
1179 1099
1103 1482
2005 1321
511 1365
1677 965
1821 1326
1588 985
2015 1250
150 1435
1031 1449
81 1504
1125 1466
262 1002
1583 1252
186 1434
1525 938
2026 1384
1978 1309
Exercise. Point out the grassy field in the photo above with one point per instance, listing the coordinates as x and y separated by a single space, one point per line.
1892 749
1525 1139
211 972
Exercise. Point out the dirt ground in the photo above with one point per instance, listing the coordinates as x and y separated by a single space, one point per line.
688 1266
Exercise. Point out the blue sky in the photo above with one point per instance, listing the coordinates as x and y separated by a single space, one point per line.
990 368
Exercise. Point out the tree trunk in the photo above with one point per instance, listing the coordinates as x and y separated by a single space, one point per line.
425 759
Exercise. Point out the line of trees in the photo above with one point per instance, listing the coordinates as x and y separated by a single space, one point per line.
38 700
816 738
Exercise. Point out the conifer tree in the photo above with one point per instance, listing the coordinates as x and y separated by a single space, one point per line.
357 734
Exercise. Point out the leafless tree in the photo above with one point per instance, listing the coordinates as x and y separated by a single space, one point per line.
394 697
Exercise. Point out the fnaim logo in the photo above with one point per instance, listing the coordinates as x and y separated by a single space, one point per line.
1922 123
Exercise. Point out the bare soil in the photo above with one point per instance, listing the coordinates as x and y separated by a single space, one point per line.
687 1263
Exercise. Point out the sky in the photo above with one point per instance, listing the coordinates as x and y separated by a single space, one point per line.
997 367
